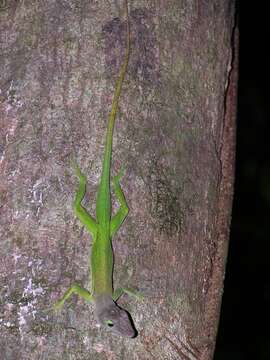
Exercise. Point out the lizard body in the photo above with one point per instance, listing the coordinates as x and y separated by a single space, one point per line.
103 228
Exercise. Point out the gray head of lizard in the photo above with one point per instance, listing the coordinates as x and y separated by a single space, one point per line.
114 318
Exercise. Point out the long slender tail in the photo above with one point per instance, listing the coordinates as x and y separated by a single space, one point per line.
116 96
103 196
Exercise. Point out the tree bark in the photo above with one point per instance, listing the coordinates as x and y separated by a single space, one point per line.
175 136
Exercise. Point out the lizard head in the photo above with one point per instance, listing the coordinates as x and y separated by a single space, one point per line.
113 317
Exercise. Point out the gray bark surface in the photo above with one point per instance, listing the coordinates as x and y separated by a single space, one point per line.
175 137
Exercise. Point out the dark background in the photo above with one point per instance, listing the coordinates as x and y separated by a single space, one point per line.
244 329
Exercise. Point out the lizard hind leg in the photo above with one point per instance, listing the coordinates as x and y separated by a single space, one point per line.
86 219
122 212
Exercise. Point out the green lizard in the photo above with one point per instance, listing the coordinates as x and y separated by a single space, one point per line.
102 229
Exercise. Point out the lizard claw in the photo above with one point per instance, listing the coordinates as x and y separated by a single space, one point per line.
119 176
58 305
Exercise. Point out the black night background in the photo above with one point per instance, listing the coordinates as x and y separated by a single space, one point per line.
244 329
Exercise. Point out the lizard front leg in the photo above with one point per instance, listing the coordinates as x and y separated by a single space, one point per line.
74 289
123 290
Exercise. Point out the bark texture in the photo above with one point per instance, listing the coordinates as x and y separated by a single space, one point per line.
175 137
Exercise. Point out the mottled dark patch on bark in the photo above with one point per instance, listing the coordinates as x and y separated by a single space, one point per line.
144 61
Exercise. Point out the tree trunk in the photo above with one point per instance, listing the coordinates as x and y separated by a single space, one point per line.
174 136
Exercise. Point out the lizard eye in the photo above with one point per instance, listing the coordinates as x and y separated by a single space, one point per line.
109 323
